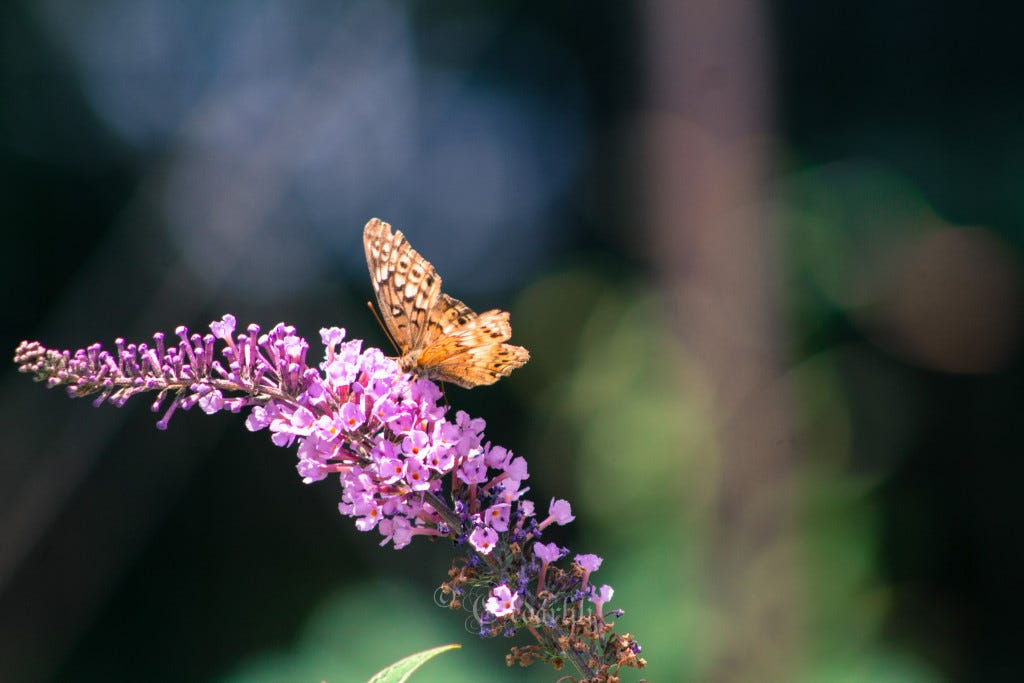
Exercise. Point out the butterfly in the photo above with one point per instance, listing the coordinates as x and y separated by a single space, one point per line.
437 336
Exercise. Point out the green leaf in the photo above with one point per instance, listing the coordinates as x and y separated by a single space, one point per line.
400 671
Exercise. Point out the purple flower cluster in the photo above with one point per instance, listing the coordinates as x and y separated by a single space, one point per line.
261 368
405 469
386 436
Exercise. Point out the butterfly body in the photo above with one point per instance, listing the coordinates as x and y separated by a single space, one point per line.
437 336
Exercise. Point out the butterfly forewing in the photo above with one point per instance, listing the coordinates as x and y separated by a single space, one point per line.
407 286
438 336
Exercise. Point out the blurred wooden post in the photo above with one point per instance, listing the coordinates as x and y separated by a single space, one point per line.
707 173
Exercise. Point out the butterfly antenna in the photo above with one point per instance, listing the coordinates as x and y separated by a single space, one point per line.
387 333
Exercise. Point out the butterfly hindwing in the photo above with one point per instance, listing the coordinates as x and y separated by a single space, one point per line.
474 352
490 327
482 364
448 315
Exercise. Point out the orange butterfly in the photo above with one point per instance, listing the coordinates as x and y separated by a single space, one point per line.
437 336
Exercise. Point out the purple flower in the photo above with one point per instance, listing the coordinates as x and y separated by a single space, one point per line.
330 337
547 552
414 443
439 458
496 516
397 530
589 562
352 417
559 512
601 596
517 470
223 328
211 401
483 539
497 457
371 513
502 601
416 475
311 470
473 471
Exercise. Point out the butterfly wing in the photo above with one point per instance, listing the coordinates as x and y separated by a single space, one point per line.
474 352
407 286
482 365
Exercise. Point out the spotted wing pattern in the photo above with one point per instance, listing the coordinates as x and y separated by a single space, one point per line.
437 336
475 353
408 288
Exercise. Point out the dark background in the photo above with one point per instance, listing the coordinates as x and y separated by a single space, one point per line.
766 258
